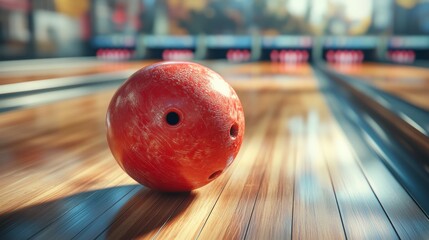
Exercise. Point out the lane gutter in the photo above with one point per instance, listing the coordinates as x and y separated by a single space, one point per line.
377 134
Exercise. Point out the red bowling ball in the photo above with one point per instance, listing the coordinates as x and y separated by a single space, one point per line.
175 126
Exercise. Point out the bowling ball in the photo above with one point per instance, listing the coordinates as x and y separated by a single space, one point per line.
175 126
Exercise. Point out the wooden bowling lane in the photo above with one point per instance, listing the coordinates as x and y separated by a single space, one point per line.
296 176
407 82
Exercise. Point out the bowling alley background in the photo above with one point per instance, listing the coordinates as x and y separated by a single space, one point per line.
335 95
349 31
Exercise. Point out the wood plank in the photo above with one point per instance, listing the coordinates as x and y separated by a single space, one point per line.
315 211
86 210
145 214
409 221
37 189
96 227
272 215
48 217
362 215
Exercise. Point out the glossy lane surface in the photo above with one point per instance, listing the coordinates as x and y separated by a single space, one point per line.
296 177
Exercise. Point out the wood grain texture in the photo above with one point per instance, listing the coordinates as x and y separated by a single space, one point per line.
315 212
272 214
363 217
296 176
